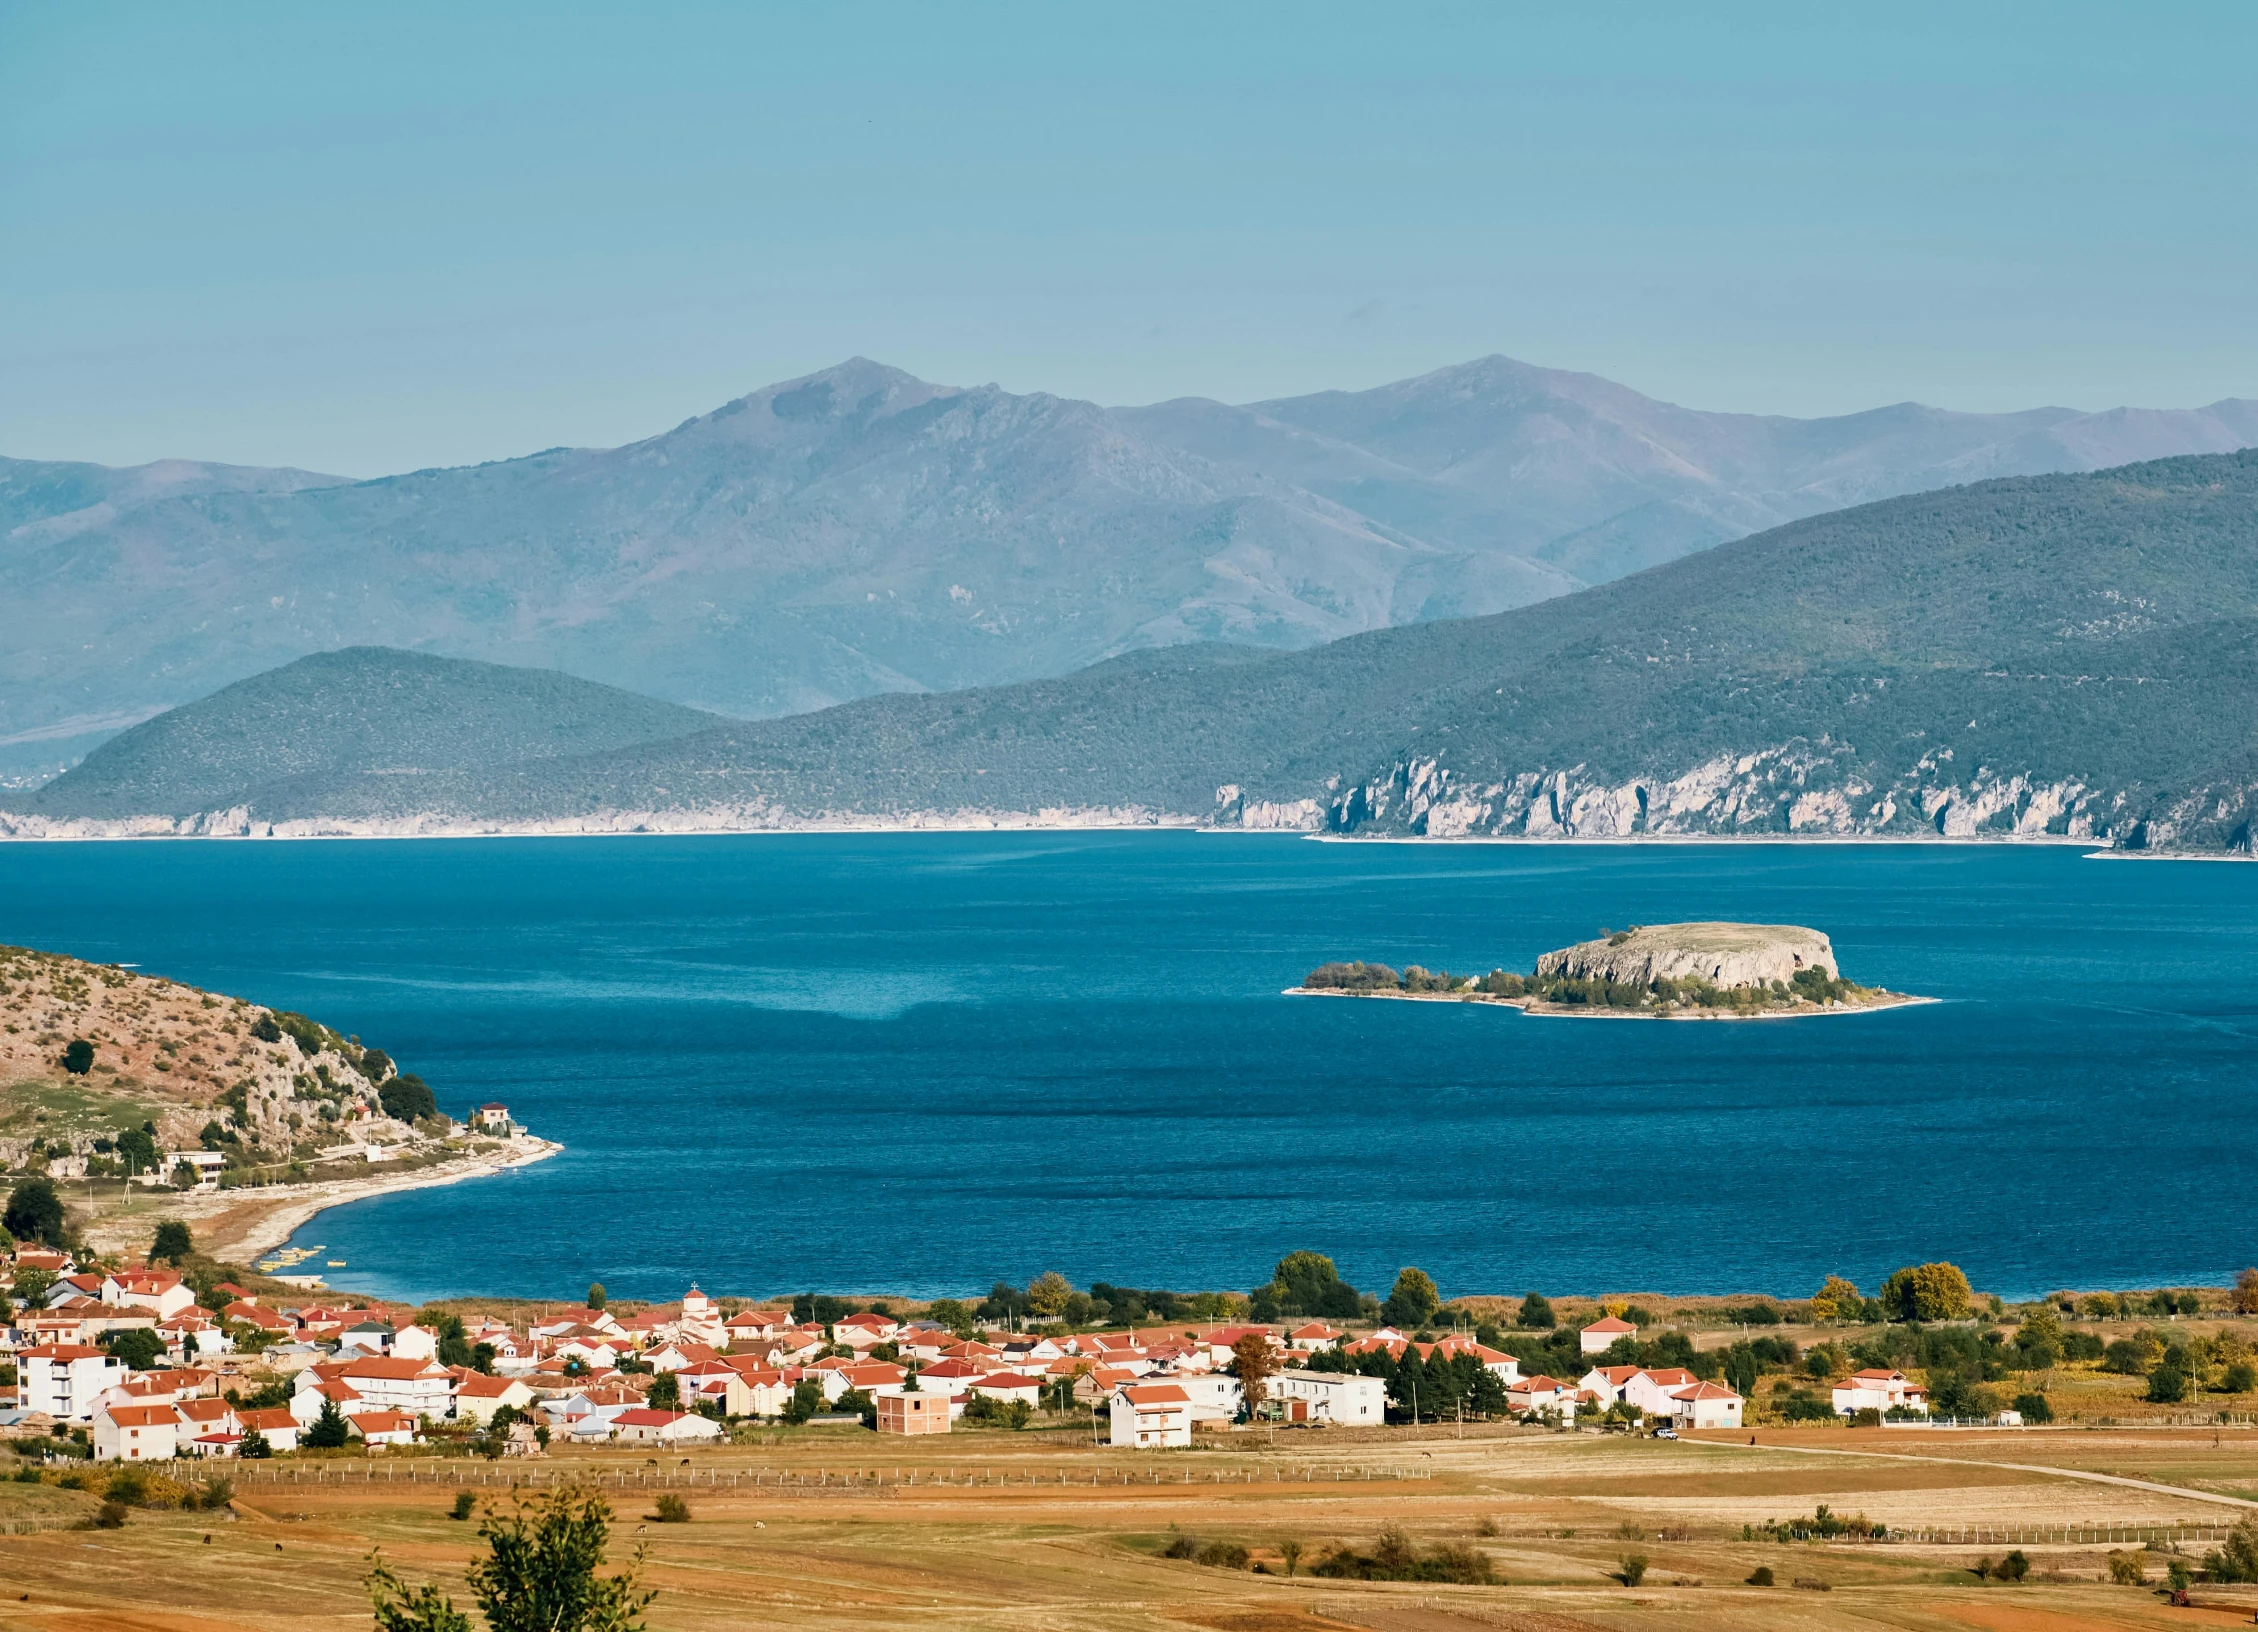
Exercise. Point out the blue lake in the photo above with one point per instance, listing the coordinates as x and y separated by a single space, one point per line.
920 1063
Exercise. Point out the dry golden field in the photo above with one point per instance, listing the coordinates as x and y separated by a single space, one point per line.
836 1528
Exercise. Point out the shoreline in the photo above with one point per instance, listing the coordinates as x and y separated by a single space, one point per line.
1021 822
245 1225
1582 1011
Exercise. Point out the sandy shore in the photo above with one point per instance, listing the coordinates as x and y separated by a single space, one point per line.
239 1225
1584 1011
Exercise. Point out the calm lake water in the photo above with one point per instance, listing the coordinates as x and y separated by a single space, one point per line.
920 1063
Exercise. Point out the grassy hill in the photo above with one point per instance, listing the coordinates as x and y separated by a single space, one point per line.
2066 654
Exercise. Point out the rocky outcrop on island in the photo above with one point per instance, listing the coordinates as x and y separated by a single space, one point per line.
1707 971
1718 954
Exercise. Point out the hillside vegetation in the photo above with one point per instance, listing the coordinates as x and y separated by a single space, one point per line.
190 1068
860 531
2072 655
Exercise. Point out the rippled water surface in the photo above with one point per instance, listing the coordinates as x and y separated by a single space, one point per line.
919 1063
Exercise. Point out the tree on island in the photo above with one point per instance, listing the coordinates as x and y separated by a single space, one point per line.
596 1295
1413 1300
407 1099
173 1243
539 1575
78 1059
1536 1313
35 1211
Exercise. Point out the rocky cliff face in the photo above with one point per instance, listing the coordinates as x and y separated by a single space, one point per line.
1786 789
1725 955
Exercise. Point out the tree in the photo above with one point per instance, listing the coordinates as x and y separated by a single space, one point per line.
1536 1313
1253 1362
2167 1385
1307 1283
2246 1292
137 1149
1047 1293
407 1099
173 1242
454 1343
806 1401
1927 1292
596 1294
953 1313
254 1447
78 1059
1836 1299
2238 1559
138 1346
35 1211
1413 1300
666 1392
329 1431
32 1285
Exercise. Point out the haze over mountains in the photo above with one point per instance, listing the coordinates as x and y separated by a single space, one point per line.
2070 655
861 531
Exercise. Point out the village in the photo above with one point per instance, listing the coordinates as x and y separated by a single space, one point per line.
127 1364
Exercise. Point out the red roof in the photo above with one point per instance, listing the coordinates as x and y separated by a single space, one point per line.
1611 1325
143 1416
1156 1394
646 1417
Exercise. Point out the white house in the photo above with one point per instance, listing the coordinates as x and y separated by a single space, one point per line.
274 1424
160 1291
1878 1389
66 1380
1603 1333
1541 1393
1708 1405
645 1426
1151 1416
383 1427
1214 1396
1324 1396
1651 1390
136 1433
477 1398
1005 1387
1607 1382
1316 1335
422 1388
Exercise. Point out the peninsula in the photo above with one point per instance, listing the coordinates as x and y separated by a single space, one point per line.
1705 971
136 1091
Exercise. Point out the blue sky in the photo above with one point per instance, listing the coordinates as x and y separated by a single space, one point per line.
368 239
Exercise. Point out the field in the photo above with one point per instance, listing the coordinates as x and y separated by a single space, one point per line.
831 1527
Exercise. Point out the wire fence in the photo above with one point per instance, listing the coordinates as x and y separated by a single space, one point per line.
685 1474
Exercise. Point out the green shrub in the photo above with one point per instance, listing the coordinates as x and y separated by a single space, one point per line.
2241 1377
672 1509
2033 1408
110 1516
1762 1577
1634 1569
465 1504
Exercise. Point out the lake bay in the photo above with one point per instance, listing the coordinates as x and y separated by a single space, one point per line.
919 1063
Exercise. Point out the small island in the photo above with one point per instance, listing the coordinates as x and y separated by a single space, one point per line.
1710 971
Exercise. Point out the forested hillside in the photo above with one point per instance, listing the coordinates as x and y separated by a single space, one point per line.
2070 654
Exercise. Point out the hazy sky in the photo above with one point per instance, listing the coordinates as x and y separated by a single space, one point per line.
367 239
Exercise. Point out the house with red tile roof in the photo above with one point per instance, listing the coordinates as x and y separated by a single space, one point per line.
137 1433
1603 1334
1150 1416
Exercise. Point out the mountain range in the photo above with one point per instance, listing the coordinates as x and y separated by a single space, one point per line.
861 531
2058 655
